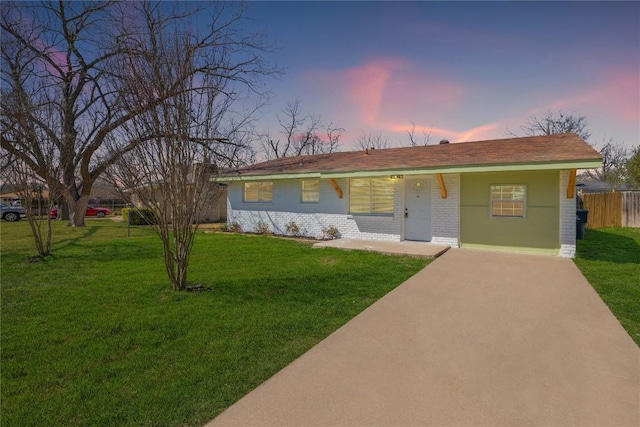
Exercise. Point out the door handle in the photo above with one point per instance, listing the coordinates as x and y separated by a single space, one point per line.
406 213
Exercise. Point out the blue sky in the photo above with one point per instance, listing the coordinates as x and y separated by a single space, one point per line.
462 70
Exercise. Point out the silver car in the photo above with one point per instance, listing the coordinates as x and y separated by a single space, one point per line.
12 213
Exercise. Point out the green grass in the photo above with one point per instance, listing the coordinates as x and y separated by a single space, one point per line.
610 260
94 336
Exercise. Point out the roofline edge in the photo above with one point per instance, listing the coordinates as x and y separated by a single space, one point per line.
578 164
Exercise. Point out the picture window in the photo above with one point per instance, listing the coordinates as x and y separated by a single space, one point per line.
372 196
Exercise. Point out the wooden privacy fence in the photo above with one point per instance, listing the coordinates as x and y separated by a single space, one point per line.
620 209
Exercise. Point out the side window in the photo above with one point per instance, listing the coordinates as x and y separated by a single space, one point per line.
310 191
258 191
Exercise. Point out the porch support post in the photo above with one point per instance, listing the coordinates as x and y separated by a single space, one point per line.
571 186
336 187
443 189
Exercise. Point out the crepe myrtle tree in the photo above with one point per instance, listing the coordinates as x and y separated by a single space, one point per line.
31 190
66 81
186 139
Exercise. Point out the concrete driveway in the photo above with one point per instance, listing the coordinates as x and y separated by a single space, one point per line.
476 338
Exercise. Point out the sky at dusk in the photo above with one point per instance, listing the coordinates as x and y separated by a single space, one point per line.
462 70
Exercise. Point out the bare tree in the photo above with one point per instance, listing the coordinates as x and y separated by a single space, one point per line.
301 134
372 140
332 143
63 83
413 139
614 155
31 190
614 161
188 137
550 124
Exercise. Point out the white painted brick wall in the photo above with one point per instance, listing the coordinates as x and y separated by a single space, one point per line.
312 218
445 213
567 219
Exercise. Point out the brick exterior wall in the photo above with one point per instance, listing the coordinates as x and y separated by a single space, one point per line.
567 219
312 218
445 213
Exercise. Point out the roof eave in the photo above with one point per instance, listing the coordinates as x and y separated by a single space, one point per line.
499 167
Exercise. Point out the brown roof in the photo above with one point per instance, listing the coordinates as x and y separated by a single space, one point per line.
557 148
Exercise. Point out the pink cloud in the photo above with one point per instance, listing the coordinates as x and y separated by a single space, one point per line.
617 94
477 133
366 86
387 90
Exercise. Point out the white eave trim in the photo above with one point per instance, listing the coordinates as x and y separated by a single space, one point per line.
580 164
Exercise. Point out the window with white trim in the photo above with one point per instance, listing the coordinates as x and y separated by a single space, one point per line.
310 190
258 191
372 196
508 200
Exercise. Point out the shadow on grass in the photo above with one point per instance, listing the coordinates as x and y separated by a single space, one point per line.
73 241
609 246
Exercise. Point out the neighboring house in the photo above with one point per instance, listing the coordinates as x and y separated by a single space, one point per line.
214 207
516 194
602 187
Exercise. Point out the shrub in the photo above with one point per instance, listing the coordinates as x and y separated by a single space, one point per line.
331 232
292 228
234 227
261 228
139 216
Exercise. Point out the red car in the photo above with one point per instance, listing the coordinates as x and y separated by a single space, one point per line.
91 211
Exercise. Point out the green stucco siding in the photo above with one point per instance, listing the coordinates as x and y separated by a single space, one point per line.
539 229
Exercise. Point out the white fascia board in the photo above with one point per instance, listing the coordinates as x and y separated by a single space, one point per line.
270 177
468 169
579 164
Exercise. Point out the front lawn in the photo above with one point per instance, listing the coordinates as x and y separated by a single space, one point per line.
610 260
94 335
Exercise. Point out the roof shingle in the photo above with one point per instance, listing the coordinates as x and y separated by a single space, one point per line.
526 150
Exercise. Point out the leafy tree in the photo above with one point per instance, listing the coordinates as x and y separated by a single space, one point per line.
633 169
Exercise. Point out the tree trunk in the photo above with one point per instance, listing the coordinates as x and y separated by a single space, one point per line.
176 267
77 210
181 274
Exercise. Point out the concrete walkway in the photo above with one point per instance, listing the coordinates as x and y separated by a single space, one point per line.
416 249
475 339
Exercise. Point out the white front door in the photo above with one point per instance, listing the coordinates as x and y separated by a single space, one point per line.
417 209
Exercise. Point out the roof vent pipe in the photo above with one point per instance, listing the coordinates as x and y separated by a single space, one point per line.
444 141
